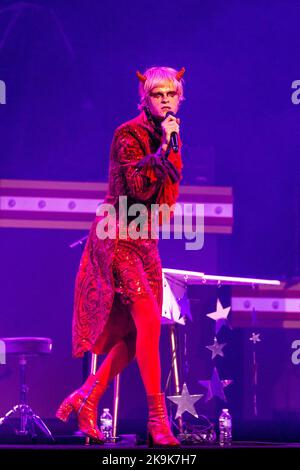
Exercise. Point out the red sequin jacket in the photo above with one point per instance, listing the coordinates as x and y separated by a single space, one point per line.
140 170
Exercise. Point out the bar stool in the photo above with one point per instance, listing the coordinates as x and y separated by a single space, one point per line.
25 347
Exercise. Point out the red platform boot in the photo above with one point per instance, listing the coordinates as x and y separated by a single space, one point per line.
85 403
159 432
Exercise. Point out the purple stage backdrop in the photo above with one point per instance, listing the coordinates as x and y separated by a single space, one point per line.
67 79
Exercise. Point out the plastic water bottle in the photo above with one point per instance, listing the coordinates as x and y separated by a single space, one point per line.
106 424
225 428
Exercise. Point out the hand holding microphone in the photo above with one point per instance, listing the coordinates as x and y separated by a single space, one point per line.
170 128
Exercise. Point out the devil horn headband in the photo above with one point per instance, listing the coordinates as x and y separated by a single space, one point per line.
141 77
180 74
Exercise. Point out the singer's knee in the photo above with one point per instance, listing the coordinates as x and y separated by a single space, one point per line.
146 314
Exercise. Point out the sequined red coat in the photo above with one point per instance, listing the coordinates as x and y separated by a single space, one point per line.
140 170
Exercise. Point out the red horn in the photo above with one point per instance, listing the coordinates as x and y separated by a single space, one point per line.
141 77
180 74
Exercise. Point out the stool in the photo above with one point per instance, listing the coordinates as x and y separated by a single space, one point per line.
25 348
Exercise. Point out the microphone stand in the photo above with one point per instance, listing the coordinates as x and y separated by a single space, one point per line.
85 360
80 242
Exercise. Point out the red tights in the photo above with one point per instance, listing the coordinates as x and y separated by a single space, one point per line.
144 345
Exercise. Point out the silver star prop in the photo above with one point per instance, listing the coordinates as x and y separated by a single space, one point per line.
255 337
185 402
216 348
220 315
215 386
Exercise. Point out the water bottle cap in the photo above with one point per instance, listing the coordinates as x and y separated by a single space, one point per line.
225 409
106 409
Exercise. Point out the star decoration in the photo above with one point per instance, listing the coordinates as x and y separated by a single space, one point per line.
220 315
255 337
185 402
215 386
216 348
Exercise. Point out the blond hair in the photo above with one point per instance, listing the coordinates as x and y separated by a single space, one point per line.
155 77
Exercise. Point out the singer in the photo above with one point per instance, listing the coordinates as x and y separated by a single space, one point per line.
118 291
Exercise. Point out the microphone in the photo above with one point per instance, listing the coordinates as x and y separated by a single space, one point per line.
174 136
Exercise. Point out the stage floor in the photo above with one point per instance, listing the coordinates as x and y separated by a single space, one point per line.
140 455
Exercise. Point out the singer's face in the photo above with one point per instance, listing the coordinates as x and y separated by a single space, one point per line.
163 99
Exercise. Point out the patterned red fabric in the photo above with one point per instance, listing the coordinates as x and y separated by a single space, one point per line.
142 172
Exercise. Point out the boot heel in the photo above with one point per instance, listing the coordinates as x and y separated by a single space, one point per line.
64 411
149 440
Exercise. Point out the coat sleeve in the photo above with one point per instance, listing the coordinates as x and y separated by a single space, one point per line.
144 174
